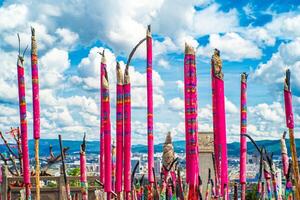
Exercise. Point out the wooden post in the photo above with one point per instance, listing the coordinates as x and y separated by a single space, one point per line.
4 182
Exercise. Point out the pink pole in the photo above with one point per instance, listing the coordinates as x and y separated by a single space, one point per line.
192 164
107 135
284 154
36 109
150 107
35 90
243 142
83 175
127 134
119 130
220 117
216 136
101 163
23 121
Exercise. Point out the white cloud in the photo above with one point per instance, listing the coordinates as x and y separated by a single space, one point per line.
273 71
180 85
12 16
213 20
177 104
230 107
164 63
246 48
273 112
53 65
67 37
285 25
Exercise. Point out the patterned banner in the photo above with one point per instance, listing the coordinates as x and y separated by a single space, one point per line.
127 132
107 134
191 122
119 130
150 107
220 118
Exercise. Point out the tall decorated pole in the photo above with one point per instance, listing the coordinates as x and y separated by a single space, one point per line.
127 135
101 158
150 107
290 125
119 131
83 173
36 108
243 142
219 119
127 125
107 135
286 167
216 135
191 122
23 122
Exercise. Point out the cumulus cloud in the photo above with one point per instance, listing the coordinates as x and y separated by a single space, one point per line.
273 71
244 49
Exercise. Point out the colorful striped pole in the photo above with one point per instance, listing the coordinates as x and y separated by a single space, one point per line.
83 173
101 158
127 135
290 125
191 122
243 142
220 119
150 107
23 122
107 136
36 109
119 131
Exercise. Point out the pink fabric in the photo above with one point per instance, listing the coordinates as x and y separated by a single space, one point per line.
119 130
150 110
288 109
221 129
216 135
243 141
285 163
35 97
187 126
101 163
192 164
23 121
107 141
127 138
83 177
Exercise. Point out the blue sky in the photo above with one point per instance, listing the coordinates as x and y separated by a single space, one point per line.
261 38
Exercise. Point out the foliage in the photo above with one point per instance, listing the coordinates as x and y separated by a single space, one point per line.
251 194
74 172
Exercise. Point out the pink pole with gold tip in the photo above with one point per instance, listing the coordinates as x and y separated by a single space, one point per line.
243 141
150 107
127 134
119 130
220 120
107 136
191 122
101 158
23 122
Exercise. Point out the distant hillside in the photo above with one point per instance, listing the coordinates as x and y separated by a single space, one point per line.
93 147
